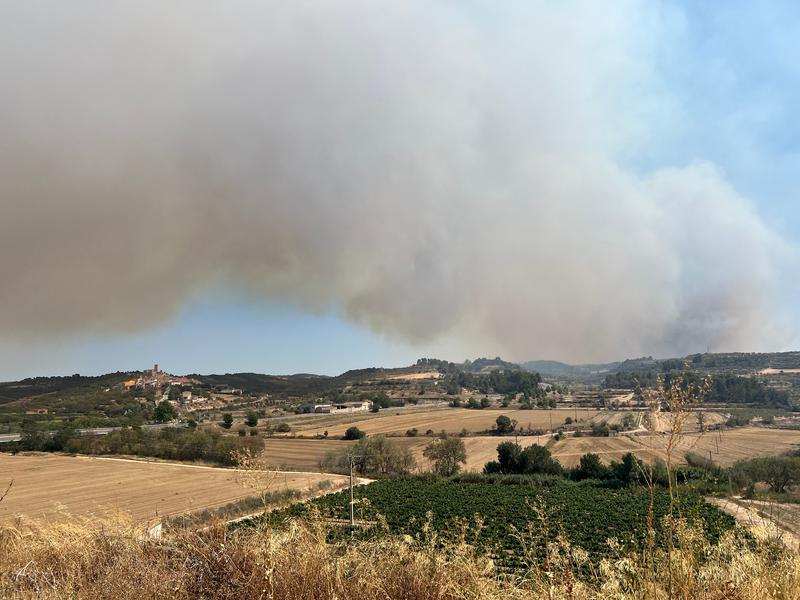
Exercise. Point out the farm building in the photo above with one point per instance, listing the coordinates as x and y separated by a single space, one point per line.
344 407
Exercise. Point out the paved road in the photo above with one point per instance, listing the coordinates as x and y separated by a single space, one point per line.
15 437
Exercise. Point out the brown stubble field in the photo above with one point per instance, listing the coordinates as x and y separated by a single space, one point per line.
724 447
55 487
451 420
454 420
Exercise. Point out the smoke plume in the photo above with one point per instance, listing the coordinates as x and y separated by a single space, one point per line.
430 170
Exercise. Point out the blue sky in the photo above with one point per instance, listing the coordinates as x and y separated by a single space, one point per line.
734 69
727 88
218 334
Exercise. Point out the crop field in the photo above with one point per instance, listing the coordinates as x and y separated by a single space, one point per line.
724 447
451 420
588 515
54 487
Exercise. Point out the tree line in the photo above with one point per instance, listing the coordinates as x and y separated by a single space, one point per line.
168 443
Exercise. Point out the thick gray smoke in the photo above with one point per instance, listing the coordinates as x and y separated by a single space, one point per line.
431 170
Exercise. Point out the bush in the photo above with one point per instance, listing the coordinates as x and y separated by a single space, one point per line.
353 433
164 412
504 425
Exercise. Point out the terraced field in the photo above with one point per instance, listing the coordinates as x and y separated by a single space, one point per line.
54 487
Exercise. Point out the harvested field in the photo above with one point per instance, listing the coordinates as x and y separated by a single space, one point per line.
659 421
53 487
300 454
724 447
451 420
663 421
305 454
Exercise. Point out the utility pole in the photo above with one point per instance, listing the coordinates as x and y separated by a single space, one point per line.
352 514
352 458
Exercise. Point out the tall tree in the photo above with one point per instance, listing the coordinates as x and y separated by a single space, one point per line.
446 455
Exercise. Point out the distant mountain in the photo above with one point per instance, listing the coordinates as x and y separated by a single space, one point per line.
554 368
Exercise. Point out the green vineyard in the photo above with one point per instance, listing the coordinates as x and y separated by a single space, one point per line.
513 514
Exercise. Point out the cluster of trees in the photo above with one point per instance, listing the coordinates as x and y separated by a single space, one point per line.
778 472
499 381
374 455
513 459
379 455
628 471
746 390
169 443
473 403
725 389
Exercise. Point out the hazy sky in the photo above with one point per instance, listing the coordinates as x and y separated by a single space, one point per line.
303 187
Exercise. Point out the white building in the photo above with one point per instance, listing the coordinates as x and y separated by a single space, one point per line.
345 407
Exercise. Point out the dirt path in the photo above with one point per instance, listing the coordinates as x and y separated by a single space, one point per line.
761 516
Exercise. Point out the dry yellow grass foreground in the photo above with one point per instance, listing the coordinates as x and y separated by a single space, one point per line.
54 487
113 560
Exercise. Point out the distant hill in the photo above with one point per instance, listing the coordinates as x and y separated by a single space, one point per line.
299 384
258 383
32 387
554 368
485 365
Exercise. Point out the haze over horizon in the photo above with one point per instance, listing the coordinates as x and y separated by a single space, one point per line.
296 187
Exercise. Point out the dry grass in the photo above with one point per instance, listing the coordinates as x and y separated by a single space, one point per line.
55 487
112 560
